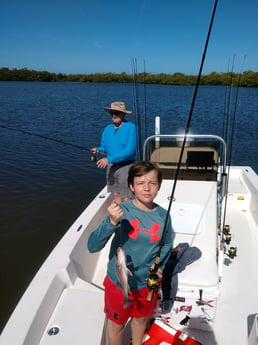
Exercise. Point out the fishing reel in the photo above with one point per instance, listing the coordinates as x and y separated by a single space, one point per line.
226 234
94 153
152 283
232 252
93 157
227 238
226 229
153 280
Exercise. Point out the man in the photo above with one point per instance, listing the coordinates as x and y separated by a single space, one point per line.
118 142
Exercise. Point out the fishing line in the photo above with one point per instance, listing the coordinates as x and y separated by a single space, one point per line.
45 137
157 259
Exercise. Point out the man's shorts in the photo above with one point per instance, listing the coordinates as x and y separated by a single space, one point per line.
117 176
119 312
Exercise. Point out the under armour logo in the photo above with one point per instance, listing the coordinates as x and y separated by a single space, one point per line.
153 232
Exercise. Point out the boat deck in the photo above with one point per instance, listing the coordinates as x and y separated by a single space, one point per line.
64 302
78 328
237 306
240 278
234 316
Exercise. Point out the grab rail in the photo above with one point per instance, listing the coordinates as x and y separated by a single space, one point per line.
157 137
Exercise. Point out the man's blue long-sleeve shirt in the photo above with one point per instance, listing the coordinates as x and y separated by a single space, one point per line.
119 144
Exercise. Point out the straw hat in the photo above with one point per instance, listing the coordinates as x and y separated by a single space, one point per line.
118 106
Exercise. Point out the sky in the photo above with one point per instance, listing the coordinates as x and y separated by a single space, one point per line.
101 36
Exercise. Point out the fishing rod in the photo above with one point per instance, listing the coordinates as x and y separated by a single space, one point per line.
145 103
228 100
232 140
135 93
92 158
136 97
153 279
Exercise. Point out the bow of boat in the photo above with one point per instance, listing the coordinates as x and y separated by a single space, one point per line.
216 301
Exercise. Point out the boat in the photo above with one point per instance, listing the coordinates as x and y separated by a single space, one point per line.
214 208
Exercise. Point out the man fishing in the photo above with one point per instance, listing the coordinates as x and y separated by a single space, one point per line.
137 226
118 142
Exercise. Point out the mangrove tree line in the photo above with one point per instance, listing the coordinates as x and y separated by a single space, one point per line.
246 79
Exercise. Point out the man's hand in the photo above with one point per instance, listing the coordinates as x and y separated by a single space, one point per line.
102 163
94 150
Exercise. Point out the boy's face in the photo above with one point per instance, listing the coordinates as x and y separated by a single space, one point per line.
146 187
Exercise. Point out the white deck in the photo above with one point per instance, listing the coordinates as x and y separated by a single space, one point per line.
238 300
67 291
74 302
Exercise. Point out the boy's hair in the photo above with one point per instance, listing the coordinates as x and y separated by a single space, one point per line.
142 168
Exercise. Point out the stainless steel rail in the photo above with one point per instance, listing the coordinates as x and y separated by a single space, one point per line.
157 137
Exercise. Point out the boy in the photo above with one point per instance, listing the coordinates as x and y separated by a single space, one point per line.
137 226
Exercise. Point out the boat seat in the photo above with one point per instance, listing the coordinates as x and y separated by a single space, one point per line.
194 220
79 317
200 159
202 273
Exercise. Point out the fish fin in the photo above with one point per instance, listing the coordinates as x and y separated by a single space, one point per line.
118 286
129 272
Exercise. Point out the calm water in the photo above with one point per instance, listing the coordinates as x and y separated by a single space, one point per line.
45 185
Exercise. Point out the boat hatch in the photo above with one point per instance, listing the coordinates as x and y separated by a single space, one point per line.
185 218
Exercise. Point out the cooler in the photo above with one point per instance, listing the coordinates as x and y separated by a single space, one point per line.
160 333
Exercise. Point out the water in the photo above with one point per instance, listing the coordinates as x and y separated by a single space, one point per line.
45 185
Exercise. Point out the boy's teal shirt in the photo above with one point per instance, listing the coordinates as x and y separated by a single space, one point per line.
138 233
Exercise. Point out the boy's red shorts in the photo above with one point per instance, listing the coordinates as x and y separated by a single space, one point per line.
119 312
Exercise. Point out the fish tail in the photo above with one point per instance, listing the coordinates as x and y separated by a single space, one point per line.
127 300
127 303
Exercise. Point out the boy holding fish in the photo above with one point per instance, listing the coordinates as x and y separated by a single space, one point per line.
137 226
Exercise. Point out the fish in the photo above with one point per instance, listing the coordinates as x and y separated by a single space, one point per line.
122 275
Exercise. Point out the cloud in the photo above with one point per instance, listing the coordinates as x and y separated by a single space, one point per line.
51 38
98 45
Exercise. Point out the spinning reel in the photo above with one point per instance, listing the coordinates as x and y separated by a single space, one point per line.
152 282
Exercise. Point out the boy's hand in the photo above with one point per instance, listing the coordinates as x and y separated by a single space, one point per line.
159 272
115 213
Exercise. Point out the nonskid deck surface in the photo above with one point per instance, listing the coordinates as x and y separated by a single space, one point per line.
78 317
237 303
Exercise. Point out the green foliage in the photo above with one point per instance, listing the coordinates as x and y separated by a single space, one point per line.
247 78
